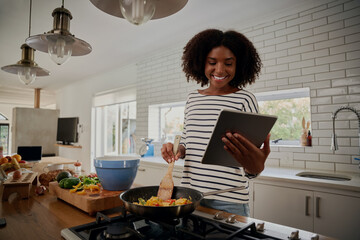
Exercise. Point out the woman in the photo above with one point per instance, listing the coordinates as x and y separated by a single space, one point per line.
226 62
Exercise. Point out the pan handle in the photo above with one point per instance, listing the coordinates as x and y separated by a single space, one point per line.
223 190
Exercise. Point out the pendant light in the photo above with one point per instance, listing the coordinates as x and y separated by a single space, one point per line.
26 69
140 11
59 42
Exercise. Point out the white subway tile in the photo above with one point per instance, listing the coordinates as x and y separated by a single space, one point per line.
331 91
330 59
275 27
288 59
287 31
346 81
313 10
301 79
274 41
330 75
354 89
320 166
290 73
299 20
301 49
264 37
353 55
344 15
316 69
276 54
345 65
314 39
344 31
335 158
320 100
277 82
330 43
315 54
276 68
329 27
300 35
327 12
306 156
347 167
313 24
346 99
318 85
287 18
353 72
287 45
353 21
302 64
351 4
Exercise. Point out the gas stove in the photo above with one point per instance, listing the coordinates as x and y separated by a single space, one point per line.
198 225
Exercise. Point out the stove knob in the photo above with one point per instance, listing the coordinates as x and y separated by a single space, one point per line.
219 216
231 219
294 235
260 227
315 237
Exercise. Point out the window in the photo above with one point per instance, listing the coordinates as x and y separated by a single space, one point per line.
291 106
114 116
166 120
115 128
4 134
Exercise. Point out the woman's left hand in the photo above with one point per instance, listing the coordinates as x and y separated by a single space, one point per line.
246 153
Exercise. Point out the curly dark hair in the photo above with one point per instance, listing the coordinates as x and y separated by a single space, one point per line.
248 62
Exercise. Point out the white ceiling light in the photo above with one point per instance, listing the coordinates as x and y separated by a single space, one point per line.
140 11
59 42
26 69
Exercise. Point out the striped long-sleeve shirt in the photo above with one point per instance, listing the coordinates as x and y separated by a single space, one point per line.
201 113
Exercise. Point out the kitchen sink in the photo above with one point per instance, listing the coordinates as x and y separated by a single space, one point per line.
325 176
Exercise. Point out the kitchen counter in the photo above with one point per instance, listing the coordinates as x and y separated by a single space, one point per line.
289 175
43 217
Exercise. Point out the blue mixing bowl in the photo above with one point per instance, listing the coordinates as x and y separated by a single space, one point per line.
116 172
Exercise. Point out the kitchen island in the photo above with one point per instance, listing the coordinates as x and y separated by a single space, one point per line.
43 217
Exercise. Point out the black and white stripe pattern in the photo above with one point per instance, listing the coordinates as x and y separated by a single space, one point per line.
201 113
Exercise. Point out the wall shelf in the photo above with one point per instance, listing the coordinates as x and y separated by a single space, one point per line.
67 146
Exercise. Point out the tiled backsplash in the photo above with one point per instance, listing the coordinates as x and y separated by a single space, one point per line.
318 48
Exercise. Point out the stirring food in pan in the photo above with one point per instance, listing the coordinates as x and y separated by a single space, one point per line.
155 201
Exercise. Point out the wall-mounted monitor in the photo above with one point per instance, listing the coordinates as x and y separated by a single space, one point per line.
67 133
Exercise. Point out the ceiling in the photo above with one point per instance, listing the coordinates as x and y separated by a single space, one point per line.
116 42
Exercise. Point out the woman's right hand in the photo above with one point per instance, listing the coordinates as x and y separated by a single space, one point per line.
167 152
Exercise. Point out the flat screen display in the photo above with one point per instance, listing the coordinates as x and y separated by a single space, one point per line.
67 130
30 153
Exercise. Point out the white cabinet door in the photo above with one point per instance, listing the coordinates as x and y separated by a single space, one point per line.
337 216
286 206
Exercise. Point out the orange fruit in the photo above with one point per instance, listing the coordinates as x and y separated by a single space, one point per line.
17 157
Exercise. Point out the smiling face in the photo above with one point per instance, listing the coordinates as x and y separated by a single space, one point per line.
220 69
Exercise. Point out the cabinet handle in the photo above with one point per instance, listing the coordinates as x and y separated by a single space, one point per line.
317 207
307 199
141 169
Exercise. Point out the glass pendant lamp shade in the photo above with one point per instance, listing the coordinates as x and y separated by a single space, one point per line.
59 42
140 11
27 75
26 69
137 11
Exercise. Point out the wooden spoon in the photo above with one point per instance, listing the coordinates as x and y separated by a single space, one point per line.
167 184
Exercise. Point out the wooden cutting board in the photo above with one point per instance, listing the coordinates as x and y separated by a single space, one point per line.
91 202
22 186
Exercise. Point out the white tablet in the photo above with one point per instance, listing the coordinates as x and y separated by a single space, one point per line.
255 127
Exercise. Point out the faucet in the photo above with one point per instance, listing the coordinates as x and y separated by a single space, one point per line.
334 145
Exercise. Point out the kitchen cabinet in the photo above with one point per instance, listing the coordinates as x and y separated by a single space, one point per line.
151 173
331 214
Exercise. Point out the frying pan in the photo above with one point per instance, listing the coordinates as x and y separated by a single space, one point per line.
130 196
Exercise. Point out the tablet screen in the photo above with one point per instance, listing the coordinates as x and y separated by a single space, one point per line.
255 127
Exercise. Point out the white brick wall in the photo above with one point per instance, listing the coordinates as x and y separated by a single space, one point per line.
317 48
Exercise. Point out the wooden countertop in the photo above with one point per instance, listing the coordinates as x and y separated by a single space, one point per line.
43 217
